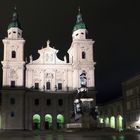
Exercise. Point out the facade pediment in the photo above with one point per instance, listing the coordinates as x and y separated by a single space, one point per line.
47 55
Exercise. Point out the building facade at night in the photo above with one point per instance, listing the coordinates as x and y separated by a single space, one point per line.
131 95
123 113
40 93
112 115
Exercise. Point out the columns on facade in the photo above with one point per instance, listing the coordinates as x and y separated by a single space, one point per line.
75 78
91 76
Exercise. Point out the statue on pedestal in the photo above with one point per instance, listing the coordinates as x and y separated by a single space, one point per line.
82 103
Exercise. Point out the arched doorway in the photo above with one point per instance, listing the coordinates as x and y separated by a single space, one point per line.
36 121
101 120
106 122
48 121
112 122
60 121
119 123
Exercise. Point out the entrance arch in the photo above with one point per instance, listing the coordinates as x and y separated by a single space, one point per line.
101 120
60 121
48 121
119 123
36 121
112 122
106 122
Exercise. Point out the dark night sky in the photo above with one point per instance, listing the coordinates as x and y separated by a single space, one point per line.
113 24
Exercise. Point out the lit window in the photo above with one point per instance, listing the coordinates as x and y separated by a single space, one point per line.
13 54
12 83
36 101
59 86
83 55
60 102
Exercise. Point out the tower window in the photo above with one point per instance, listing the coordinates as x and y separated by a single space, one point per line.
36 101
14 32
48 102
12 83
12 101
60 102
48 86
83 55
36 85
77 34
13 54
59 86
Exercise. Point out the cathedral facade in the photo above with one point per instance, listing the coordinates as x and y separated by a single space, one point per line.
40 93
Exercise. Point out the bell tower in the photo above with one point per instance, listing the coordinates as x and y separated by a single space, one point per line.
81 53
13 60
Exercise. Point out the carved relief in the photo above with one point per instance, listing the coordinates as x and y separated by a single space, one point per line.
49 75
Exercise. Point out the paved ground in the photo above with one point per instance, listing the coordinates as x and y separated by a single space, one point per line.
69 135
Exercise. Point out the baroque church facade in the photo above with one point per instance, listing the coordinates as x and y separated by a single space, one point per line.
40 93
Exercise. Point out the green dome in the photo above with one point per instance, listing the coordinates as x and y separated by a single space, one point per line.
79 26
14 22
79 23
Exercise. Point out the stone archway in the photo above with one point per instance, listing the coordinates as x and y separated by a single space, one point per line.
36 121
119 123
48 121
112 122
60 121
106 122
101 120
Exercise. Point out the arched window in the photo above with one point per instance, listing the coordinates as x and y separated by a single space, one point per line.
13 54
59 86
48 85
83 55
36 85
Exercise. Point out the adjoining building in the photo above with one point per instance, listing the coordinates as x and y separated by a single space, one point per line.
131 96
40 93
123 113
111 115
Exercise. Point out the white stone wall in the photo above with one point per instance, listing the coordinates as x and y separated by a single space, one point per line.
13 68
48 67
59 71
